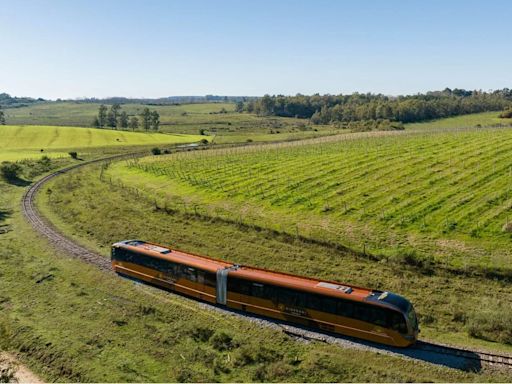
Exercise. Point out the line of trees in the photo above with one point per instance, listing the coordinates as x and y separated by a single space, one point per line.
116 118
325 109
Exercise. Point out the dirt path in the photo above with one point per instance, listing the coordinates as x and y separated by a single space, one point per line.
22 373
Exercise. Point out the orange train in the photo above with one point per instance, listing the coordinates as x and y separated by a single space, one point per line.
378 316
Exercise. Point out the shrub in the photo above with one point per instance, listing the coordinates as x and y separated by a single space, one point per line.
506 114
202 334
410 257
492 325
204 141
10 171
222 342
73 155
156 151
202 132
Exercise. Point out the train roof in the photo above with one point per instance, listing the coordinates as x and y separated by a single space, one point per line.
159 251
323 287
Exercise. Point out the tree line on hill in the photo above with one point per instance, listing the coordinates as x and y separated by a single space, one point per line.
7 100
116 118
328 109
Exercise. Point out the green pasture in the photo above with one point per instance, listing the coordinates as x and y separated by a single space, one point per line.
19 142
82 114
183 118
474 120
443 195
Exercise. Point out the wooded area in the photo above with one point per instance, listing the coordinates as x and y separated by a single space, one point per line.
325 109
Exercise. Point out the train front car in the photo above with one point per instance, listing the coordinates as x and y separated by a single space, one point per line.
408 334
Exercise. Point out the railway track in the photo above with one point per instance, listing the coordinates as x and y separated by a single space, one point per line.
41 225
453 357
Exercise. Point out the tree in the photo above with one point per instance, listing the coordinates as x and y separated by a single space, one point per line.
113 115
123 120
146 118
111 119
155 120
102 115
10 171
134 123
239 106
115 108
96 122
2 117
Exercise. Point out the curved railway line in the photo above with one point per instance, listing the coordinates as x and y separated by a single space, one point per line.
435 353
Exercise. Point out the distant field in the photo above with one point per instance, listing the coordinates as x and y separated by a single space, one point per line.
484 119
444 194
184 118
82 114
20 142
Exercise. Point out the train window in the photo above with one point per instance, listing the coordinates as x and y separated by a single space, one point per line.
397 322
239 286
361 312
322 303
200 276
210 279
189 273
258 290
345 308
291 297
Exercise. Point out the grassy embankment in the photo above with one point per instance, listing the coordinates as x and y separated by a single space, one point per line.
70 322
186 119
24 142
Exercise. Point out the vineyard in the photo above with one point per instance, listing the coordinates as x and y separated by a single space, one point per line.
444 193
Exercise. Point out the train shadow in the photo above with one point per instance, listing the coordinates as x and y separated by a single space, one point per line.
422 351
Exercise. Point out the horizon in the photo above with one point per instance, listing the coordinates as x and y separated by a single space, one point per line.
235 96
87 49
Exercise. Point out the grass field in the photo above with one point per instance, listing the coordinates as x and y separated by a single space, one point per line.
23 141
484 119
446 195
449 306
69 322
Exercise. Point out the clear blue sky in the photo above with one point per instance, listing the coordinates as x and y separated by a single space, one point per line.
79 48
